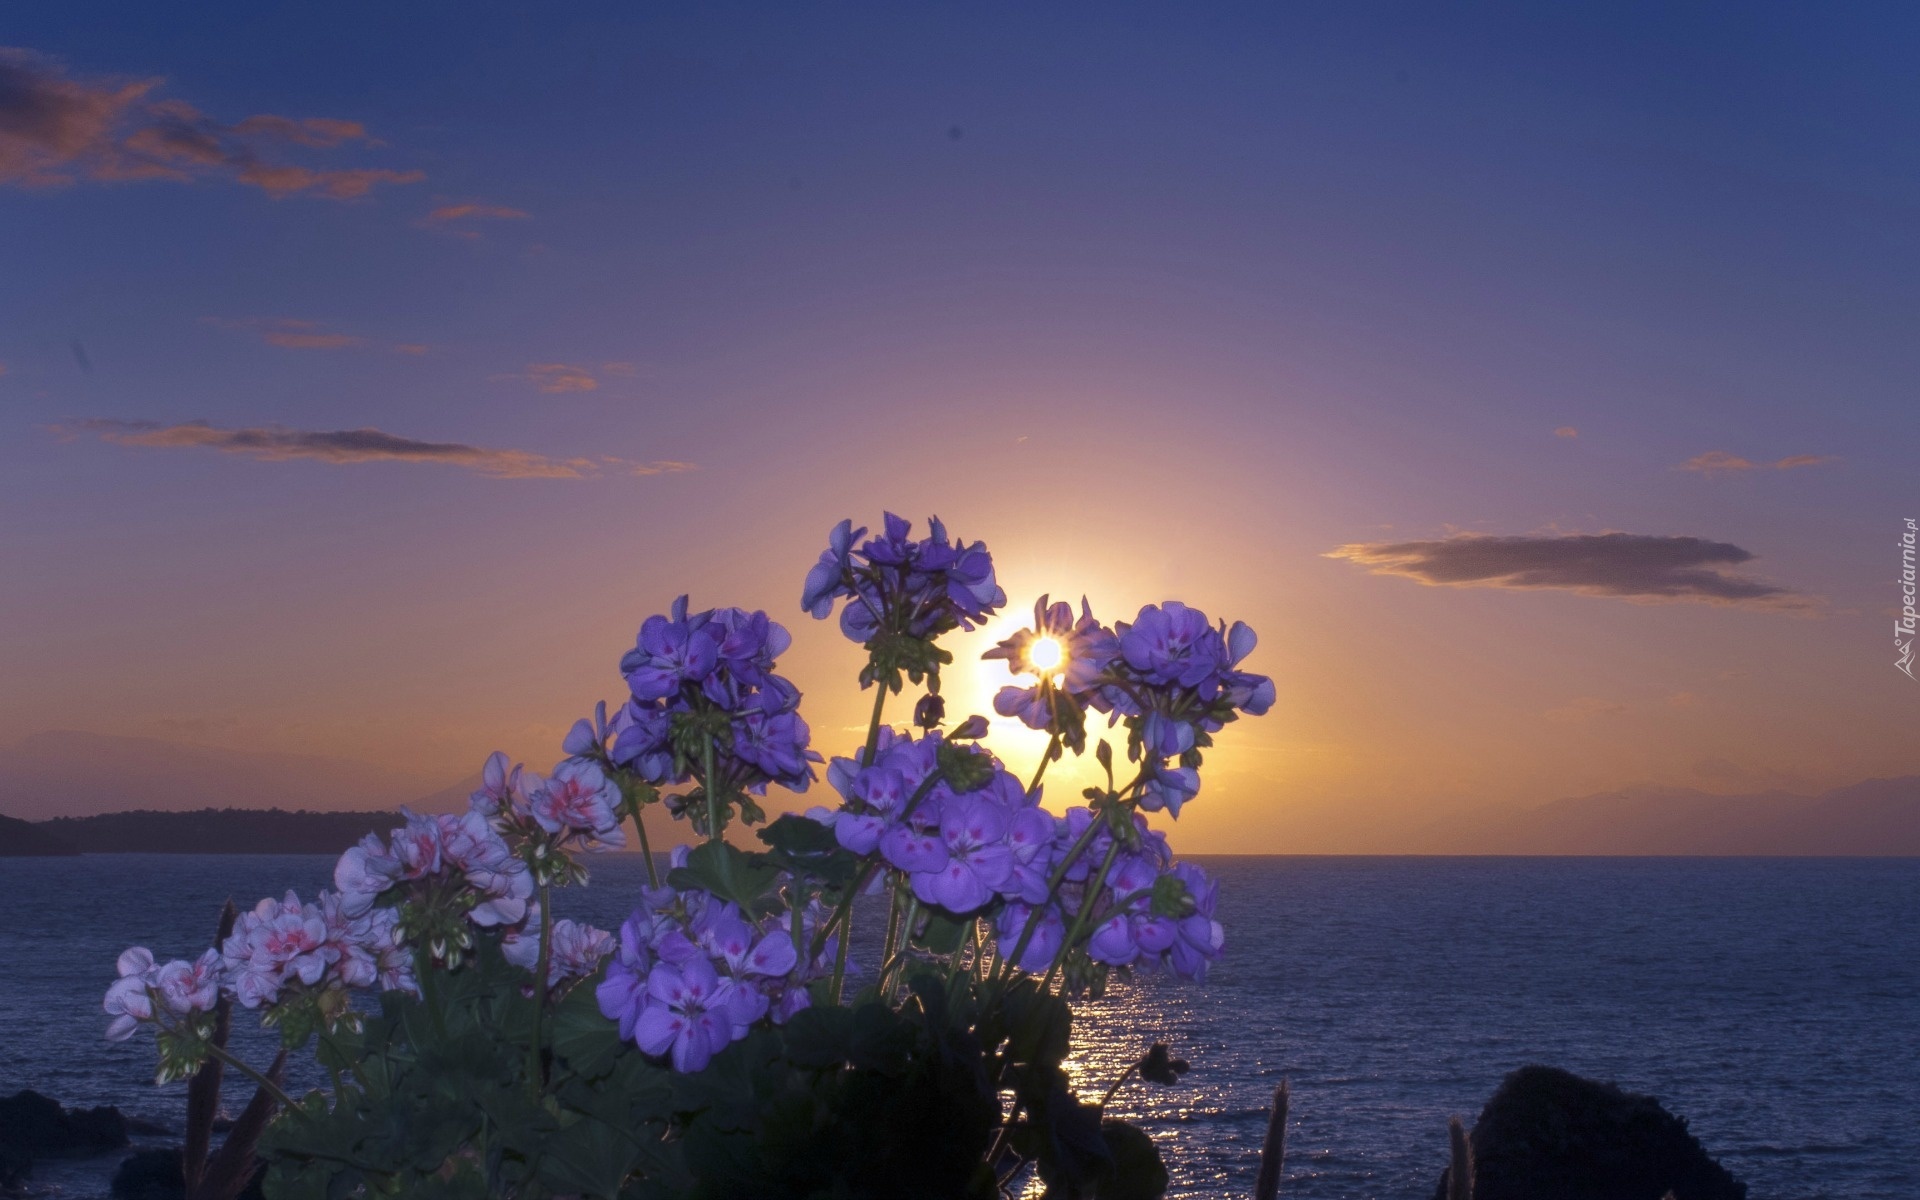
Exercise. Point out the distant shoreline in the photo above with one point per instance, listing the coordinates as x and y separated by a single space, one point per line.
1874 819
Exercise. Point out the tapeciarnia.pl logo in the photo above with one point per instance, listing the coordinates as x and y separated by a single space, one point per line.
1903 625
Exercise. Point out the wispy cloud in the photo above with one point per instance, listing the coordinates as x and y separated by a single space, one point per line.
289 333
556 377
459 219
56 130
1719 461
342 447
1566 431
1583 709
275 443
1634 566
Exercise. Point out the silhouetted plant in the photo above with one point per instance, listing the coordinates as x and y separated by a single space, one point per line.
711 1049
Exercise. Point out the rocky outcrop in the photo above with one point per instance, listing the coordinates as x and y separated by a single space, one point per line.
33 1126
1548 1134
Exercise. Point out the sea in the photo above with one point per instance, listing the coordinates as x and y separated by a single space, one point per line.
1774 1003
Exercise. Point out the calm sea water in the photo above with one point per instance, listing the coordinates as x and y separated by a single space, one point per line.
1773 1002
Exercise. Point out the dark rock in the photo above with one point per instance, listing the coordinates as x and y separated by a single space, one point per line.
15 1166
150 1175
150 1128
35 1126
1548 1134
156 1175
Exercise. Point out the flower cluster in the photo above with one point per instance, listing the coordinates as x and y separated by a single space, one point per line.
490 882
1080 651
318 950
1171 675
181 989
692 974
962 836
897 586
574 951
280 943
707 679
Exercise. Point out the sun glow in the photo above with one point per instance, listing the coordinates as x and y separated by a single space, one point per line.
1045 655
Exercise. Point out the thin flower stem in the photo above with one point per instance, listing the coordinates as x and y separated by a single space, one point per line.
905 945
873 725
1053 746
535 1067
646 851
712 787
842 918
1080 918
840 958
245 1068
893 932
1060 874
1124 1076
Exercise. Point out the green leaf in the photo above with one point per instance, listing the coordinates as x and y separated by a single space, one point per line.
820 1037
1039 1025
590 1158
944 934
745 878
807 848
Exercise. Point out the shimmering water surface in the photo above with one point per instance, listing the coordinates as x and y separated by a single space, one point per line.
1773 1002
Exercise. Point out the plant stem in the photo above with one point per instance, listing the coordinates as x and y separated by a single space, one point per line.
873 725
840 954
535 1067
1080 918
1124 1076
1053 889
646 851
905 946
1053 745
245 1068
712 787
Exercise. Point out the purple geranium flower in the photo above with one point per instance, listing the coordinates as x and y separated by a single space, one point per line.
978 860
687 1014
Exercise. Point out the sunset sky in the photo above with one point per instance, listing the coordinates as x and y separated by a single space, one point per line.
369 372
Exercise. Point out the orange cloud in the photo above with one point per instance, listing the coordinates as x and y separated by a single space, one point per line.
475 212
287 333
291 334
56 130
557 377
1566 431
663 466
338 447
1718 461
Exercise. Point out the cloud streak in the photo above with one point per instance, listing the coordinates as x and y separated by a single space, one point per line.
458 219
340 447
291 334
559 378
1633 566
56 130
1720 462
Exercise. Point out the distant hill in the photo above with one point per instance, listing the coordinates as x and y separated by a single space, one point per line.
216 831
63 773
1874 817
18 839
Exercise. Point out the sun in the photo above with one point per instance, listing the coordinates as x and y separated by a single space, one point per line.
1045 655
